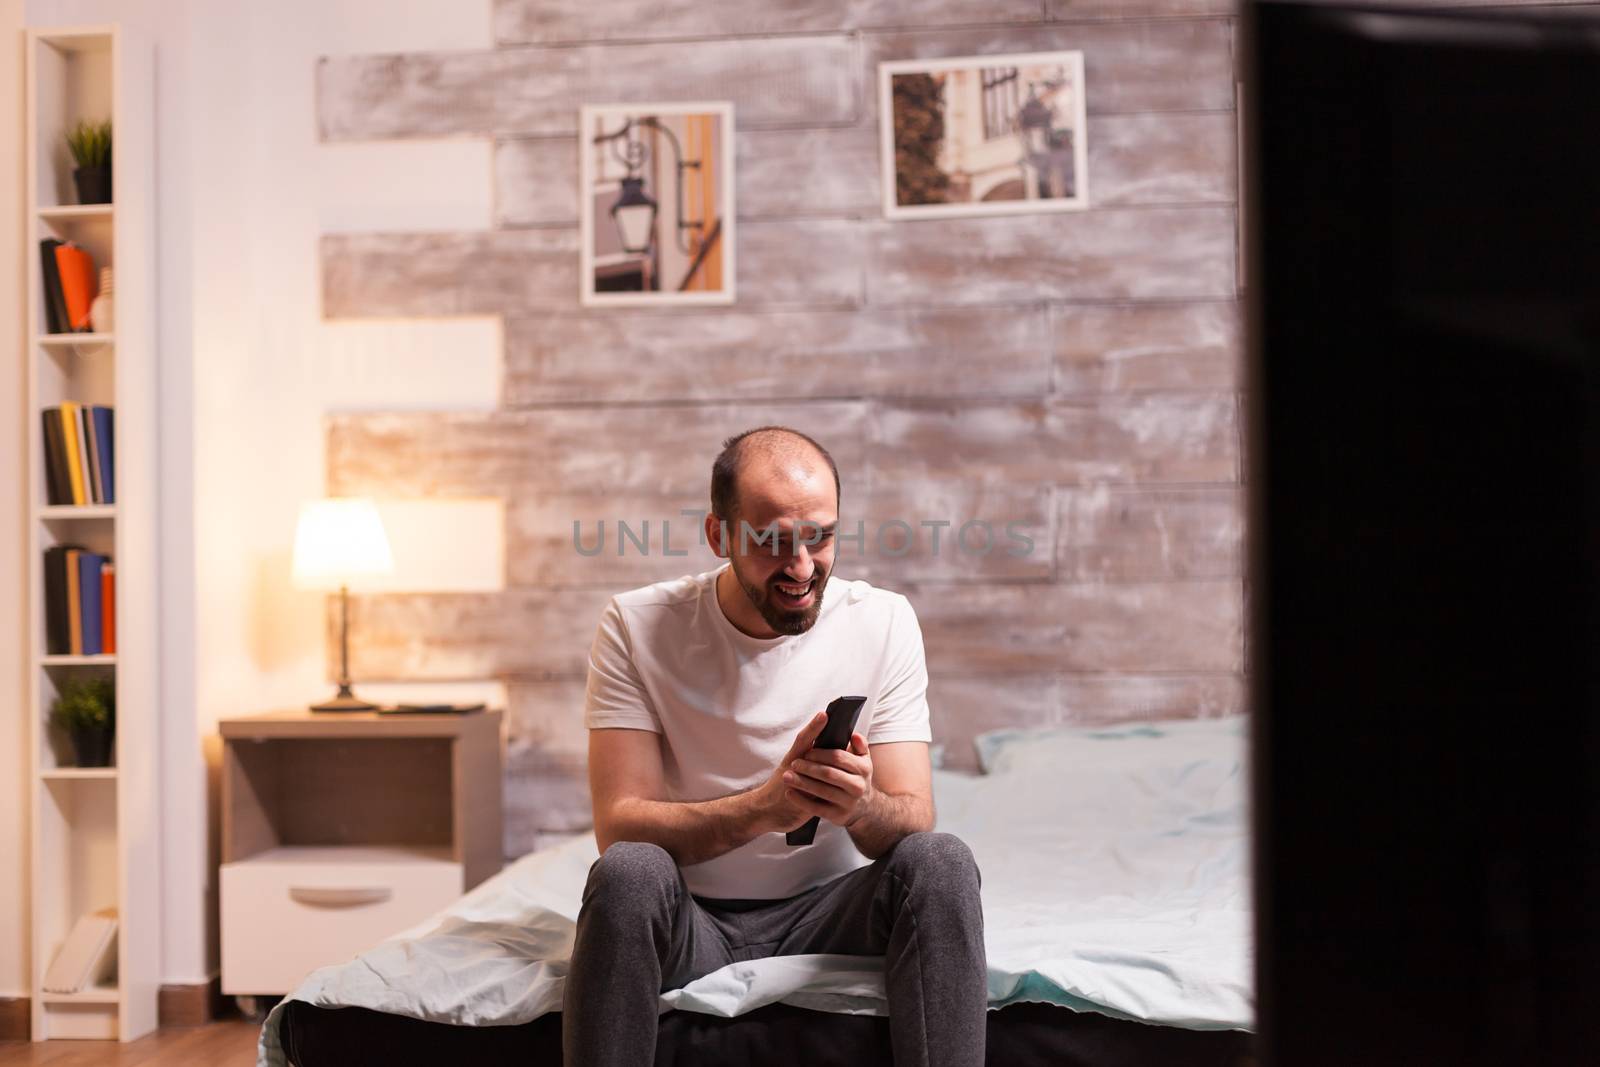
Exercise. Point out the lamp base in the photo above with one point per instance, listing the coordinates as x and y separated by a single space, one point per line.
345 701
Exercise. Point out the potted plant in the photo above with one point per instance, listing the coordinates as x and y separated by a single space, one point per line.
90 143
86 709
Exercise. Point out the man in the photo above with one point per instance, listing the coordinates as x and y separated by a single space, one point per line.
702 706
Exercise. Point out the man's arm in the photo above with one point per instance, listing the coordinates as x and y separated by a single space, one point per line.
625 780
901 801
879 793
626 786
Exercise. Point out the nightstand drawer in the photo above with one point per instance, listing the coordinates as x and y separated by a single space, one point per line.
290 910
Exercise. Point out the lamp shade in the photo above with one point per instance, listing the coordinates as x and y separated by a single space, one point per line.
338 542
1035 119
635 215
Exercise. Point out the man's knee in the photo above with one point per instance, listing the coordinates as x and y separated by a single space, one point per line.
933 856
632 872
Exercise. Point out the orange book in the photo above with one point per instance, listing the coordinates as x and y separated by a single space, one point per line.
78 283
70 426
108 607
74 603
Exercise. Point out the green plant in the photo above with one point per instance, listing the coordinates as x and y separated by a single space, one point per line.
90 143
85 703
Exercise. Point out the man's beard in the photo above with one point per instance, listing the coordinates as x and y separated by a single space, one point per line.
782 619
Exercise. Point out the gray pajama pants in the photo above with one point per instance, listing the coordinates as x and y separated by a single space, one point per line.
641 932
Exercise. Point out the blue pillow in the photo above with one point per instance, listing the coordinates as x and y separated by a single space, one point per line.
1013 748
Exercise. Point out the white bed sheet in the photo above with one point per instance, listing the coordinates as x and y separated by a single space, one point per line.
1114 880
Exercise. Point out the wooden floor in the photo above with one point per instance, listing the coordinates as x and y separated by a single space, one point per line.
231 1043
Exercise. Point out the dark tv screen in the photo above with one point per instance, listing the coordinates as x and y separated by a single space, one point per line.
1422 220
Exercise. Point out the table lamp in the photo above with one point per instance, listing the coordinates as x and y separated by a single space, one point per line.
339 541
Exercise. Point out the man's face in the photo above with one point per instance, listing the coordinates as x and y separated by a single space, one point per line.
792 518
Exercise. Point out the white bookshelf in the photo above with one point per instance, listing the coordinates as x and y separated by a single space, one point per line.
81 343
94 830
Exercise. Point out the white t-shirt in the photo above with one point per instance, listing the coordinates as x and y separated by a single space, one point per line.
728 706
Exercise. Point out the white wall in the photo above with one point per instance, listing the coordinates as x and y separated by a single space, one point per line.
248 369
13 508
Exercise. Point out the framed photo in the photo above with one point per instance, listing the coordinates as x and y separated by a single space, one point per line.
655 203
983 135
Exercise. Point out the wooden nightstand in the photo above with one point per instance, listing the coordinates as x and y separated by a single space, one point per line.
340 830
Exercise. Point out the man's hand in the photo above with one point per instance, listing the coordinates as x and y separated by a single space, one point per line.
834 783
780 804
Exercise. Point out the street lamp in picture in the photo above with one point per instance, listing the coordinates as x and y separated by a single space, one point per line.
1047 153
640 241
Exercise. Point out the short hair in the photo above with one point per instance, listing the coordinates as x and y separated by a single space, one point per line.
778 442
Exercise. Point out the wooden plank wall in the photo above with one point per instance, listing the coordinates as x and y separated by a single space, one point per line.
1074 374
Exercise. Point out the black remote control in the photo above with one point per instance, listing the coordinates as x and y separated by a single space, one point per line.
842 716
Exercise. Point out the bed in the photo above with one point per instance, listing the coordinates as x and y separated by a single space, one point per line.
1116 914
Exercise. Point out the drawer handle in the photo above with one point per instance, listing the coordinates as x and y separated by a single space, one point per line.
319 897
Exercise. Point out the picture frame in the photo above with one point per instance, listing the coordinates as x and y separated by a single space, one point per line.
656 204
983 135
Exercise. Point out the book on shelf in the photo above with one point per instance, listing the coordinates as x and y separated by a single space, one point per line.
57 632
80 596
108 608
89 564
81 428
80 453
87 957
80 284
92 450
74 603
69 429
105 426
58 483
55 307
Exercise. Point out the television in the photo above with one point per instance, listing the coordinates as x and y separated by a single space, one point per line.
1422 275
